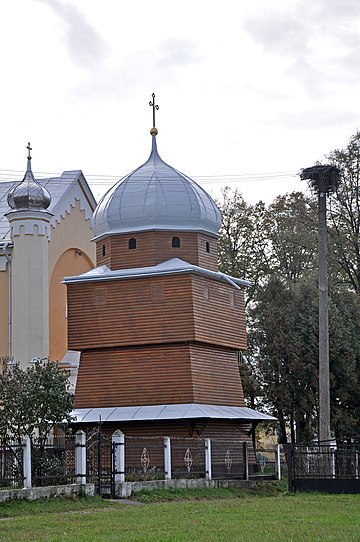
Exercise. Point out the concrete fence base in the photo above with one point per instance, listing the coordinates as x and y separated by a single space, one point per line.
127 489
30 494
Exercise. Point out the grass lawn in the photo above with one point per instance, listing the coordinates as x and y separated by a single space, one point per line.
227 516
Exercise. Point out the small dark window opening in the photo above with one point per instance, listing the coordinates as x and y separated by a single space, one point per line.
175 243
207 246
132 243
103 250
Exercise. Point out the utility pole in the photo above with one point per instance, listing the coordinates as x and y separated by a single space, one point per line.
324 180
324 373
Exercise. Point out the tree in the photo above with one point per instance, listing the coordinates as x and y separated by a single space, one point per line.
291 233
242 245
344 313
283 339
33 401
344 214
13 408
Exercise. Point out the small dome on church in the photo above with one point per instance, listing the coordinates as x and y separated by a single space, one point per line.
29 194
155 197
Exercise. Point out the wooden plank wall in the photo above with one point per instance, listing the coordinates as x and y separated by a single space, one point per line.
156 375
155 310
215 376
128 312
154 247
134 376
219 313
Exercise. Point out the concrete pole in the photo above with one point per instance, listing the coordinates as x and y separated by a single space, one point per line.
246 460
167 458
278 461
324 379
27 462
118 442
80 457
208 459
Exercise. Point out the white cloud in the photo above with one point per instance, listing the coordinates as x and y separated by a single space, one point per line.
321 39
177 52
85 45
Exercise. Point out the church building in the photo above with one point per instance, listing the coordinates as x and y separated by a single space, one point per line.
45 234
158 326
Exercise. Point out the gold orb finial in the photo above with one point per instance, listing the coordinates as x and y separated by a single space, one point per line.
153 131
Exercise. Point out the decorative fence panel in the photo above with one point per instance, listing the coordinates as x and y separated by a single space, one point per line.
11 466
187 458
269 462
144 458
227 458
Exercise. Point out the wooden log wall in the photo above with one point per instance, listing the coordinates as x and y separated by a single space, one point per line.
219 313
130 312
134 376
155 310
215 376
154 247
157 375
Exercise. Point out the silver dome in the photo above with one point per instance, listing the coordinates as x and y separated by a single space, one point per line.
28 194
155 197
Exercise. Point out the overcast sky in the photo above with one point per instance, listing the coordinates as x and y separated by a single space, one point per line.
247 89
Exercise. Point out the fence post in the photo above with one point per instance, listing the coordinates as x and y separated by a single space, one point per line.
167 458
290 466
80 457
208 459
27 461
278 461
118 445
246 461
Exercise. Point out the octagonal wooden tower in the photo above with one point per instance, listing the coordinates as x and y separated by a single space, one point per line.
158 326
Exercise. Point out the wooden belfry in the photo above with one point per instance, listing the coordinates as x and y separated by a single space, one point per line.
158 326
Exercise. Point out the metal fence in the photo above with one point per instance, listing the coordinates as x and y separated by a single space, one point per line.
11 466
54 462
107 460
144 458
324 467
270 463
99 461
187 458
227 458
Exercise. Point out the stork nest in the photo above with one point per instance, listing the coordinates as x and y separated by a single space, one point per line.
322 178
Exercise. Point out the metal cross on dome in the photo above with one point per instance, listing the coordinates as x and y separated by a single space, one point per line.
154 106
29 149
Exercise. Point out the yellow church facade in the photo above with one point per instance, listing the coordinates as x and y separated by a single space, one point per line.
45 234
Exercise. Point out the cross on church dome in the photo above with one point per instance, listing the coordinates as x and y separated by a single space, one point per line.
155 107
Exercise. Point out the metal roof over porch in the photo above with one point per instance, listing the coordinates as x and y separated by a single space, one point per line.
168 412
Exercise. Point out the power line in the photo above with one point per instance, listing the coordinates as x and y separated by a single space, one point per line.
11 175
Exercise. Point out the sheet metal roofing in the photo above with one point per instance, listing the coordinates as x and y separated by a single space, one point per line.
29 194
169 267
155 196
168 412
56 186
